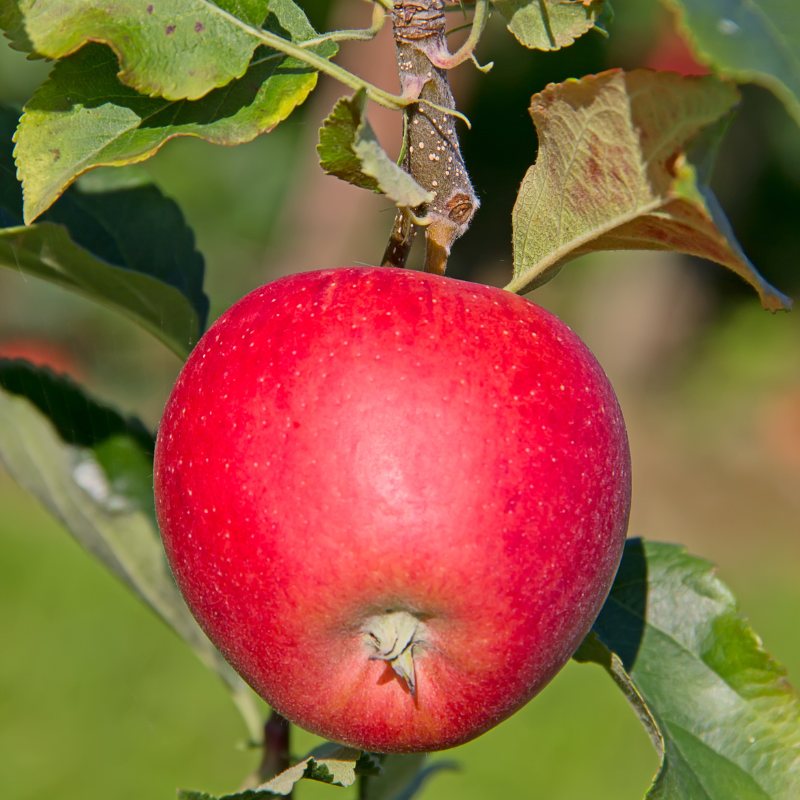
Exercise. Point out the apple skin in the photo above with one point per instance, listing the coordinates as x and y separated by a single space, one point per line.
346 443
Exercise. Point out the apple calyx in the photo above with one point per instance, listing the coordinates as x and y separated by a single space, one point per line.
393 636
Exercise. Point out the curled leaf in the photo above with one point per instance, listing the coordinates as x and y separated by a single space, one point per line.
614 173
349 149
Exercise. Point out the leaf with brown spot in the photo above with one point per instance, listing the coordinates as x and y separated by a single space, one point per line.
95 120
206 49
623 164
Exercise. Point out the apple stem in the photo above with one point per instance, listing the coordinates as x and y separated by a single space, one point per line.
431 151
394 636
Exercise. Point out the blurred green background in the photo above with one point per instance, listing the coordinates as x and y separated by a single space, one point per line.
98 699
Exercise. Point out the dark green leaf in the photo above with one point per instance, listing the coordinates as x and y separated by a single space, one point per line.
349 149
92 469
549 24
83 117
172 48
671 637
118 242
753 42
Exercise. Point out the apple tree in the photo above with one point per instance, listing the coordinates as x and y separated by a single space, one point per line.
624 162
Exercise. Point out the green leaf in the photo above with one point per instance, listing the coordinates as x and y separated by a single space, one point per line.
337 137
83 116
727 720
752 42
349 149
114 239
612 173
549 24
402 777
328 763
92 469
172 48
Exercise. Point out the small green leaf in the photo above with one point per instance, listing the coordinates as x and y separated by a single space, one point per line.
613 173
549 24
172 48
727 722
328 763
92 468
118 242
753 42
83 117
403 777
349 150
336 139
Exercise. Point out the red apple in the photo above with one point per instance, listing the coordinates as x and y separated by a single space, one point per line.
394 501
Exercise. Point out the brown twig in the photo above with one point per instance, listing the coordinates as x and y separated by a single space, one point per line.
432 155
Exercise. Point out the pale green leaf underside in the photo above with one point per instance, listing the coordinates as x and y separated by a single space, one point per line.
728 719
349 149
751 41
72 482
171 48
611 174
83 117
549 24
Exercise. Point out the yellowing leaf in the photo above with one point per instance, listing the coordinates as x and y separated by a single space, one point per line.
83 116
612 173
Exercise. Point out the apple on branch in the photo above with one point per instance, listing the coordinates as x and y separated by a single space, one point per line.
394 501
